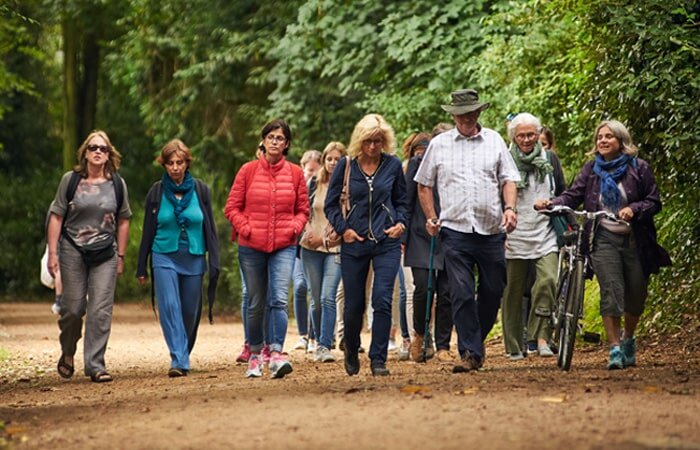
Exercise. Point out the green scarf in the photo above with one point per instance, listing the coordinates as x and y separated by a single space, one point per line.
532 162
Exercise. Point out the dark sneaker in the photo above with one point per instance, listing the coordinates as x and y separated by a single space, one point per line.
352 363
629 350
616 359
379 370
532 347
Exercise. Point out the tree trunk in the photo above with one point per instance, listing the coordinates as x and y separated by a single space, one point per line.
70 91
88 91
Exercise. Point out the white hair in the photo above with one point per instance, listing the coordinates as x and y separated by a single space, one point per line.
523 119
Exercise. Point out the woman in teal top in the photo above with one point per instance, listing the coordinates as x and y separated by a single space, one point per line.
178 231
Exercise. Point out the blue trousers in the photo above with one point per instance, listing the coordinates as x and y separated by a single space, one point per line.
463 253
322 270
267 277
355 260
179 309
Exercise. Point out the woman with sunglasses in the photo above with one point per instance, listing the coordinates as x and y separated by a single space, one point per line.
87 236
268 207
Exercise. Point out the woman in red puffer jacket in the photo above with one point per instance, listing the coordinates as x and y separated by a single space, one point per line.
268 207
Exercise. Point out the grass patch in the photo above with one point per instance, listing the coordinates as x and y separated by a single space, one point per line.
4 354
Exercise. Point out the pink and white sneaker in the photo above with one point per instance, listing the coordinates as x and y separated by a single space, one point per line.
279 366
245 354
266 354
254 367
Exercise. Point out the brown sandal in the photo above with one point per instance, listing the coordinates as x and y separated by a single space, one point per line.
101 377
64 369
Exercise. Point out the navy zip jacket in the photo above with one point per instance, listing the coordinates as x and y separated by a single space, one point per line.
211 240
374 205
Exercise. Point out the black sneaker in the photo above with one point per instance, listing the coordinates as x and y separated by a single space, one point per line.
379 370
468 363
352 363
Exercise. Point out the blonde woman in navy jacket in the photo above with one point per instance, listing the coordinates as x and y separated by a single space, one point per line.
371 234
178 230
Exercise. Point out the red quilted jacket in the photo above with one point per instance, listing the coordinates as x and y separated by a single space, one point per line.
268 205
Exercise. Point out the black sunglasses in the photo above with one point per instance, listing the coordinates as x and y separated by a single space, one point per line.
94 148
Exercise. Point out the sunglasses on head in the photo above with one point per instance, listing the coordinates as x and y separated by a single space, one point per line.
101 148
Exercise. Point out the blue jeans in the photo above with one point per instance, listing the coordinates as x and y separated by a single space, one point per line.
322 272
301 307
244 313
355 259
179 310
267 277
463 252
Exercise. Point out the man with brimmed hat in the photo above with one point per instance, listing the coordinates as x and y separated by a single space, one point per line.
474 173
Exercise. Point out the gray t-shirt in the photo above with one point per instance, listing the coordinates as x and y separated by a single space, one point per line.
90 215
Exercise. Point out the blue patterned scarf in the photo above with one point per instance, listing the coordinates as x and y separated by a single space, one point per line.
186 188
610 173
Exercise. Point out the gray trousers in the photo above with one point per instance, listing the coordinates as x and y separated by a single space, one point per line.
543 292
86 290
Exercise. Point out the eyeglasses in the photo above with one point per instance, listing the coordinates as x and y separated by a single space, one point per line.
523 136
273 138
101 148
375 142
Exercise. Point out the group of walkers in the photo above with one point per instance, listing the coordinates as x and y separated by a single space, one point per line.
459 212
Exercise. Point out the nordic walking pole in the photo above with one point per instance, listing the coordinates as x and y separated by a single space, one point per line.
428 305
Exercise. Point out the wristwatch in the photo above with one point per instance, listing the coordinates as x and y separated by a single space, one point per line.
512 208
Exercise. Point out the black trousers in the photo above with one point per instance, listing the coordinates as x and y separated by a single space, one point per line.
443 308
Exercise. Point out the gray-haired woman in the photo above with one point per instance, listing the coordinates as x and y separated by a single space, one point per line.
533 243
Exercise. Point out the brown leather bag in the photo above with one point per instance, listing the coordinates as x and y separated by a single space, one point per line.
331 238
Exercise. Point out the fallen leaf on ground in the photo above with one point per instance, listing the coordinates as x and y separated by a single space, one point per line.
415 389
651 389
468 391
559 399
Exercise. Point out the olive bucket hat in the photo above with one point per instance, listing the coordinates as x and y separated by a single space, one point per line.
465 101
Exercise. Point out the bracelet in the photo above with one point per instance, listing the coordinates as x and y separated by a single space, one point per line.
512 208
120 256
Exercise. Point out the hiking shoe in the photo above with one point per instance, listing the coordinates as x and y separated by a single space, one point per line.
323 355
616 358
416 349
301 344
352 363
404 350
629 350
379 369
56 307
544 351
245 354
531 347
265 354
445 356
468 363
254 366
279 366
517 356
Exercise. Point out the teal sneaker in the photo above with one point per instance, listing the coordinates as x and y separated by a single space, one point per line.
616 358
629 349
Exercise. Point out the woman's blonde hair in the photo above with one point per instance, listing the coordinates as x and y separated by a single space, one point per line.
621 134
323 176
369 126
174 147
310 155
114 158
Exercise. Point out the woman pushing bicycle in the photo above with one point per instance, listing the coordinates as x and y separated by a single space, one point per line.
623 255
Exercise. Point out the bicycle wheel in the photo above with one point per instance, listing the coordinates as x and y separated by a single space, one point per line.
569 327
560 302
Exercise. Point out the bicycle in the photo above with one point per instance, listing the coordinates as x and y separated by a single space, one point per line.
568 303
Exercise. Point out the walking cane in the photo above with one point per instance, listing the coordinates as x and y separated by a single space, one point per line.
429 299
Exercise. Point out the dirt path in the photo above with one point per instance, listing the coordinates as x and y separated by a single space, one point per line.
506 405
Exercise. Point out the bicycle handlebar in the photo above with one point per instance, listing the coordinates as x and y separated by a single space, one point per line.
587 215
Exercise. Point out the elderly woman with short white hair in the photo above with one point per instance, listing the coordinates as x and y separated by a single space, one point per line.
533 244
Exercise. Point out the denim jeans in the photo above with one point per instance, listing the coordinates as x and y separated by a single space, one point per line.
322 272
402 304
301 307
267 277
463 253
355 260
244 314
